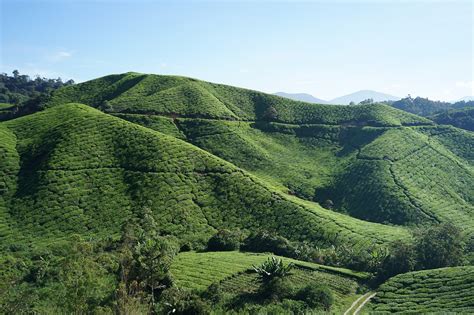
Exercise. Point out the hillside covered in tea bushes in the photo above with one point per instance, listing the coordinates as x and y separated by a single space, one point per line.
111 170
411 170
447 290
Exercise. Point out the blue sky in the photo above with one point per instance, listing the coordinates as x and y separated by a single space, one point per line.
326 48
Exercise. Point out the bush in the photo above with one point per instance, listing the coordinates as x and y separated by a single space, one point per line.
268 242
277 289
178 301
402 258
224 240
440 246
316 296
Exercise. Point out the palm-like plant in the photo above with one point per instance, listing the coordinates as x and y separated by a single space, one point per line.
273 268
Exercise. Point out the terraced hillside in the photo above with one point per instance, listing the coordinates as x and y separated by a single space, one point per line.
72 169
234 273
445 290
373 162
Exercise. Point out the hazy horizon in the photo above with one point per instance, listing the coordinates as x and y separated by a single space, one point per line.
324 49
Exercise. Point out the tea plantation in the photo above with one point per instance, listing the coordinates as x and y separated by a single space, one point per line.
196 158
73 169
372 162
234 273
446 290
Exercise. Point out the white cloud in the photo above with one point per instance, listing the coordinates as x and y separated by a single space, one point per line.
59 56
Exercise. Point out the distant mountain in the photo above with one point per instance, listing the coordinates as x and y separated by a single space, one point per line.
304 97
362 95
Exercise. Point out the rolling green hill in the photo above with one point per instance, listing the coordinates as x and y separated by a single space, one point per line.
185 97
373 162
73 169
445 290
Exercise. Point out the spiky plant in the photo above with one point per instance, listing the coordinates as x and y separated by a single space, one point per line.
273 268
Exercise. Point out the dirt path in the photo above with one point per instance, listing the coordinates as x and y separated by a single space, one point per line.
361 305
365 298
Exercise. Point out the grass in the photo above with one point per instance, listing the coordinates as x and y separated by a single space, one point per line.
446 290
199 270
233 271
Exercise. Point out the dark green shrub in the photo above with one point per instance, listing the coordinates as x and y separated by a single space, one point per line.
267 242
402 258
440 246
224 240
316 296
178 301
277 289
213 293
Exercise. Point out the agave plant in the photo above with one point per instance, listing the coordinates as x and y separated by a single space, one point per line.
273 268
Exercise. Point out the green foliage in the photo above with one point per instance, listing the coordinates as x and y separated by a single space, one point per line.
401 259
316 296
198 271
460 118
71 169
179 301
21 95
263 241
440 246
421 106
445 290
276 289
224 240
273 268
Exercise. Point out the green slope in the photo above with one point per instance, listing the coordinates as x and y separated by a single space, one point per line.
180 96
77 170
446 290
373 162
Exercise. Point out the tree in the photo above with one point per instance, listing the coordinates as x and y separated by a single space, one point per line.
153 255
367 101
401 259
224 240
439 246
